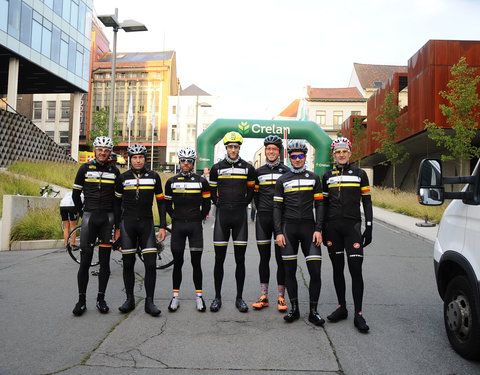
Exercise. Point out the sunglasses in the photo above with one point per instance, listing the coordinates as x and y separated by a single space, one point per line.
233 147
299 156
189 161
103 149
272 149
338 152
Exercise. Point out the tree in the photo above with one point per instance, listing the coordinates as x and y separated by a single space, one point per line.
461 112
393 152
100 121
359 132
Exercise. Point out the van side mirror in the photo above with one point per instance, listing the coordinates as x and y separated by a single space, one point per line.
430 190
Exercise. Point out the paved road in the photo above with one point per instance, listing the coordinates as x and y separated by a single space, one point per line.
41 336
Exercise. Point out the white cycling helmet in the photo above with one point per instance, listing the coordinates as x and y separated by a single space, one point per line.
137 150
187 153
297 145
103 141
341 142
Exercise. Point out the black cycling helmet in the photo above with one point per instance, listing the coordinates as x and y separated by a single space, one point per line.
273 140
136 149
297 145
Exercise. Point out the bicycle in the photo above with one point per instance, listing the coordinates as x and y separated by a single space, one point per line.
47 191
164 258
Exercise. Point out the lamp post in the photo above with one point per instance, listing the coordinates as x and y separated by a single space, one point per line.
111 20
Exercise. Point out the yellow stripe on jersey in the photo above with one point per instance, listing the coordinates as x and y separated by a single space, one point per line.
188 191
344 185
230 177
97 180
298 189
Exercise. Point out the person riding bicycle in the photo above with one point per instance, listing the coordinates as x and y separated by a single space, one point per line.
135 191
232 181
267 176
297 193
96 179
344 187
187 198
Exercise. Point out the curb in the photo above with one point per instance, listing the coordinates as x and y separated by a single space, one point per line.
37 245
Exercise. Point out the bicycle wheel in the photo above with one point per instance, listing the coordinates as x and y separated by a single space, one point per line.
164 255
73 246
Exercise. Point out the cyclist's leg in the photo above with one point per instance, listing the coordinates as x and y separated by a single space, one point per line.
177 244
105 248
354 249
129 240
313 258
148 245
221 234
240 237
289 257
264 243
195 242
335 244
87 240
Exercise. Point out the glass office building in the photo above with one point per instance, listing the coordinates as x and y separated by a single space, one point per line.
51 39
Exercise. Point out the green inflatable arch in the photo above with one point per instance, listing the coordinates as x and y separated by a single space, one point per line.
308 130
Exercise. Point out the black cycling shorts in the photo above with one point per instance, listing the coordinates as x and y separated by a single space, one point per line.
139 231
181 230
300 232
97 224
264 228
230 219
343 235
68 213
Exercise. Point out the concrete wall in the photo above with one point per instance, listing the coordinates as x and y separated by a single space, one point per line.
17 206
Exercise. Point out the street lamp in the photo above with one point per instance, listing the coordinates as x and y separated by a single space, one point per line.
111 20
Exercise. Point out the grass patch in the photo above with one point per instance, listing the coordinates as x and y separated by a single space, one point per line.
40 224
61 174
13 185
406 203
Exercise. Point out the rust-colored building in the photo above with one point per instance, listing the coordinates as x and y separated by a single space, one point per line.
428 74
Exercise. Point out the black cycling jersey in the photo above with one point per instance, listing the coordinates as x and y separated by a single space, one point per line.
97 181
265 186
224 182
187 198
343 188
136 191
295 196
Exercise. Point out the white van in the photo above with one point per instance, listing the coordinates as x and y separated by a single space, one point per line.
456 253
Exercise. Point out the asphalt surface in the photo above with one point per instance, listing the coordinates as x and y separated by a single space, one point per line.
41 336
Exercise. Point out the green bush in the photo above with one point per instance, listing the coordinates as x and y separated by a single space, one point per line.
61 174
39 224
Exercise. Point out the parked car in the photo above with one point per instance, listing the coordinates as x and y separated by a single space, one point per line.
456 253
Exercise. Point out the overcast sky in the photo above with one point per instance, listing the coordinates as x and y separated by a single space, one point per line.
257 55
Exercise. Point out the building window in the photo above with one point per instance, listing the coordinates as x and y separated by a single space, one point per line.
26 24
321 117
174 135
65 110
37 110
356 113
172 158
191 132
51 106
337 117
174 110
51 134
64 137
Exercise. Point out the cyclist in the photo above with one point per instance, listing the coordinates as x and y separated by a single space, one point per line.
187 198
267 176
135 190
343 188
297 192
96 179
232 181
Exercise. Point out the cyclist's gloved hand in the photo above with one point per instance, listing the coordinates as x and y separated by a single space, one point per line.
367 236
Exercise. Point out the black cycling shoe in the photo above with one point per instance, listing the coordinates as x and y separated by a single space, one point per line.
339 314
293 314
128 305
79 308
360 323
241 305
216 304
151 308
102 306
315 318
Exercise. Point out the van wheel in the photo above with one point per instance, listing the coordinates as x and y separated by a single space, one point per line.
461 320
